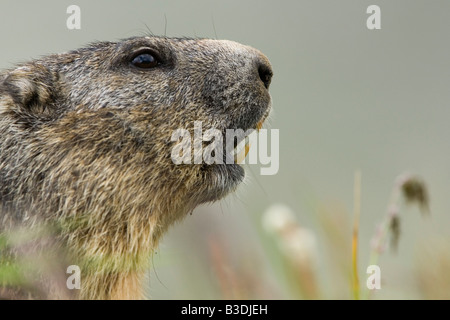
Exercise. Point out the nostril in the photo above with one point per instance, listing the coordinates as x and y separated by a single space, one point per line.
265 74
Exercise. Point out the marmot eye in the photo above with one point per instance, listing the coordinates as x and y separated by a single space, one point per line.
144 61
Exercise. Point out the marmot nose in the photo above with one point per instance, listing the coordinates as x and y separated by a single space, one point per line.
264 71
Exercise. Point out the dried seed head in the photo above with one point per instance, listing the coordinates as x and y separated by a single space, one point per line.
394 228
415 191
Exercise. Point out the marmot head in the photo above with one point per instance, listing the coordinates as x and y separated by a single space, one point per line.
100 119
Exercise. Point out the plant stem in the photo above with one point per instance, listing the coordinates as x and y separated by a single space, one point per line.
356 213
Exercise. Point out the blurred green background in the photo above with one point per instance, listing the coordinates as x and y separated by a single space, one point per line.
344 98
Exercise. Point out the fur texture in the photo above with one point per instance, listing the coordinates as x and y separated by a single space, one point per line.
86 143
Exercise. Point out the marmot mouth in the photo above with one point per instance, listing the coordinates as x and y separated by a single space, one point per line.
242 148
224 178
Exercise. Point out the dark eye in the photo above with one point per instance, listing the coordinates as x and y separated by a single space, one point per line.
144 61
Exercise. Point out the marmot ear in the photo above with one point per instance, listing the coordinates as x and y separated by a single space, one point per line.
33 90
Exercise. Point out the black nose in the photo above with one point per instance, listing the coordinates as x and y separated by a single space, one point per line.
265 73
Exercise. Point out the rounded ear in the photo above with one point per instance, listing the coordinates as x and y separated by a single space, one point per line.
31 90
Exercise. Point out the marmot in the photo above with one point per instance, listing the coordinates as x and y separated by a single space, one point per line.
85 147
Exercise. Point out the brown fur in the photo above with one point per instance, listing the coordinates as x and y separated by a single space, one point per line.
86 143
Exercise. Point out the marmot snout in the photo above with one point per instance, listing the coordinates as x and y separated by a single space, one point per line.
86 145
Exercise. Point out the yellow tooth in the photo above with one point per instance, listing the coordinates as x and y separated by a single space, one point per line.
259 125
240 157
247 149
